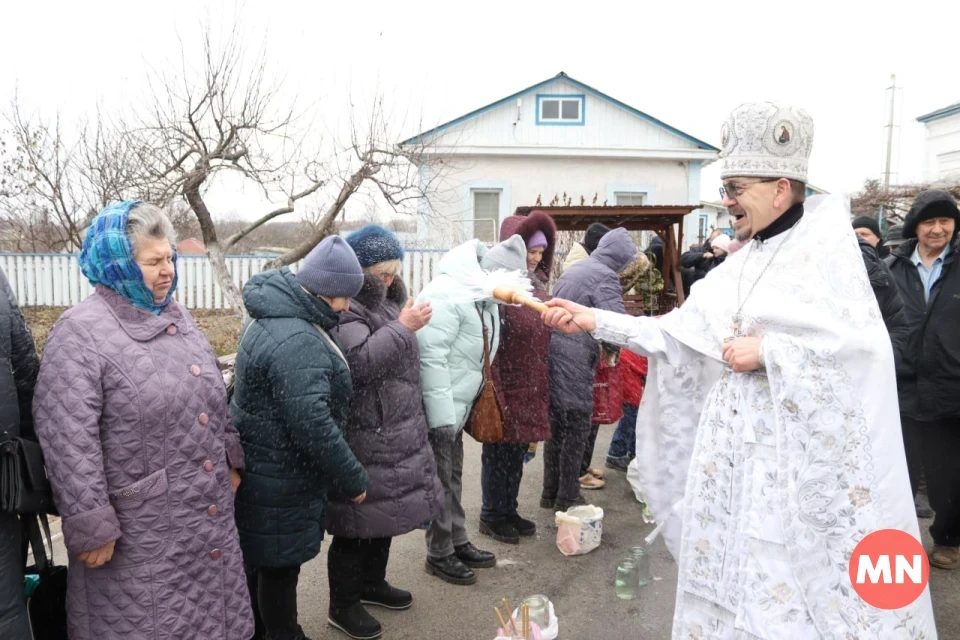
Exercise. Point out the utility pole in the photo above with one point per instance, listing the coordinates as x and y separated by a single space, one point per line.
893 98
886 172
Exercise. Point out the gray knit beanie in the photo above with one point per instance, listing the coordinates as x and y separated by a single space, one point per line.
511 254
331 269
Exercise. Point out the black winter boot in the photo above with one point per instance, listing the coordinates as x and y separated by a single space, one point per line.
355 622
451 570
501 531
475 558
346 570
387 597
525 528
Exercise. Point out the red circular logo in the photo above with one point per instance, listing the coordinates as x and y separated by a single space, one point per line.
889 569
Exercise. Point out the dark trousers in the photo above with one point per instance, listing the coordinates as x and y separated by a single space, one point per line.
355 566
500 474
13 606
913 448
588 449
273 594
563 454
623 447
940 441
448 530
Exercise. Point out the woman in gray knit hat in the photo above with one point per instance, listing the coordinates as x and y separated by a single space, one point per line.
290 404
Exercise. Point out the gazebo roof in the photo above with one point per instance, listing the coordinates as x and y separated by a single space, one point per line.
632 218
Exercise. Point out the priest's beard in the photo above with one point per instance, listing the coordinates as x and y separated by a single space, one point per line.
741 233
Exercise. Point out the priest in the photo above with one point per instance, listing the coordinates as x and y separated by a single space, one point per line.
768 439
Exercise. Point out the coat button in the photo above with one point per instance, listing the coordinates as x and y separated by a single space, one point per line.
208 466
172 330
204 418
195 370
212 510
215 554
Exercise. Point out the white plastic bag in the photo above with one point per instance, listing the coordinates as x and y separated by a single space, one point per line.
579 530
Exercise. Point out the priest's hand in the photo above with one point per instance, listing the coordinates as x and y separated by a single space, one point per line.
569 317
742 354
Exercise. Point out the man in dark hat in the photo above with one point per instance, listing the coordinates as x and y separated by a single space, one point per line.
927 273
869 230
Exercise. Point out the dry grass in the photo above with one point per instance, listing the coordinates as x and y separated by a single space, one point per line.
221 328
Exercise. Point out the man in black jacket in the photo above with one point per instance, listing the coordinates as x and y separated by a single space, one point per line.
18 376
889 300
927 273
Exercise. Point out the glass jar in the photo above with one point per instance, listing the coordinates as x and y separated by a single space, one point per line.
626 585
539 610
641 556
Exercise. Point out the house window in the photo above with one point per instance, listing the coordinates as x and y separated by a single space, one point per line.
486 215
630 199
560 109
702 228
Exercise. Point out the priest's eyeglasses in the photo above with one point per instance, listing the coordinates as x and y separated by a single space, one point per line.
733 190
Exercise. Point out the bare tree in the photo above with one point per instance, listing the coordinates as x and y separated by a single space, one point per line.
894 202
219 118
44 199
227 119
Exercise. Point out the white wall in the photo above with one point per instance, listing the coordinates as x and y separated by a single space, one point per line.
606 126
942 157
522 179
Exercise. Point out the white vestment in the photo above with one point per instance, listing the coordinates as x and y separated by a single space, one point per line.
764 482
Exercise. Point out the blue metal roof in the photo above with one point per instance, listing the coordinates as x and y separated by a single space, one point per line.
940 113
583 87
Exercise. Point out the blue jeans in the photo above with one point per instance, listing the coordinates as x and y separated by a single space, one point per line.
623 447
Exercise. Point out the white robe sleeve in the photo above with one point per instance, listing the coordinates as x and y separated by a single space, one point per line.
642 335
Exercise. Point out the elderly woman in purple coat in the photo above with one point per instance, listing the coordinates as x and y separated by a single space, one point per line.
131 411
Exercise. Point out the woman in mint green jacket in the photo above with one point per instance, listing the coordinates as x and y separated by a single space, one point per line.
451 373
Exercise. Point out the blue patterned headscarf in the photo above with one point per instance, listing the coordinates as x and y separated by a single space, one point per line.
107 258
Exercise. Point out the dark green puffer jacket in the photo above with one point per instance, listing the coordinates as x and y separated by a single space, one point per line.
290 404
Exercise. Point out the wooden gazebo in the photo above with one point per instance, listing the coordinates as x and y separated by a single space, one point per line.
659 219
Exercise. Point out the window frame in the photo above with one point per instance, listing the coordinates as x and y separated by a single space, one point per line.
473 211
561 97
631 194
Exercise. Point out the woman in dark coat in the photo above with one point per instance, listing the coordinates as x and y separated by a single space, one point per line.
18 376
387 431
521 379
290 404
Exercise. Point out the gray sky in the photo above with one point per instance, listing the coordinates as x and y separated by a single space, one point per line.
686 63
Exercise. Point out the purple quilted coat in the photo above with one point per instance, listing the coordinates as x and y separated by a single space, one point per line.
132 414
387 429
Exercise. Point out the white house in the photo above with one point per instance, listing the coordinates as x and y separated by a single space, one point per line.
557 137
941 160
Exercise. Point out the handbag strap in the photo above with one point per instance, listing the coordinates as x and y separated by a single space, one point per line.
487 369
29 524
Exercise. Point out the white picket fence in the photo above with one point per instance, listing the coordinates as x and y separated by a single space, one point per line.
55 279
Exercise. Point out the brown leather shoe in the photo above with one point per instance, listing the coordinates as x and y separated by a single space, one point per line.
943 557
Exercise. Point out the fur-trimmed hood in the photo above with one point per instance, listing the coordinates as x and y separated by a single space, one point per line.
525 227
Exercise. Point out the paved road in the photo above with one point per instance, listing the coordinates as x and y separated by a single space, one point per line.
581 587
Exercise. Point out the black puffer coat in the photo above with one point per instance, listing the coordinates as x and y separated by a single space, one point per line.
888 297
290 404
387 428
18 377
929 380
18 366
